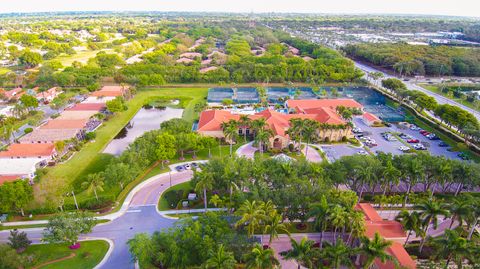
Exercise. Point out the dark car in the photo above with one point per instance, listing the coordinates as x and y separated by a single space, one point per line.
179 168
194 165
443 144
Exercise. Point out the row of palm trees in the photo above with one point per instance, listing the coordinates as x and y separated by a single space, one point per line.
307 130
463 209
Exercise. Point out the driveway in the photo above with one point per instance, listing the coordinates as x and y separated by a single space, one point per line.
335 152
247 151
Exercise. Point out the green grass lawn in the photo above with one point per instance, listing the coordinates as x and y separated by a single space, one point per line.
436 89
87 256
4 70
82 56
90 159
163 204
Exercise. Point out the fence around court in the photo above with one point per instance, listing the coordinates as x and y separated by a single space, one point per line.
247 96
217 95
276 95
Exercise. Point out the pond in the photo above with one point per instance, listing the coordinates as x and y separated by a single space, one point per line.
146 119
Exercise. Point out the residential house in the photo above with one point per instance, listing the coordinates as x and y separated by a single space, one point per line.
370 119
48 95
22 151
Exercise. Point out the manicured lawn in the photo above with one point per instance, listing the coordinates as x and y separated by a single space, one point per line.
436 89
83 56
87 256
2 228
163 204
90 159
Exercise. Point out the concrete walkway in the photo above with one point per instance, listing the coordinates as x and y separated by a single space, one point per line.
312 154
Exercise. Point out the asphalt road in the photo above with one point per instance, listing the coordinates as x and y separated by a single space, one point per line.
411 86
140 217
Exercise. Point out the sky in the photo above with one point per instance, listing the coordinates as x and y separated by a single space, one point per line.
427 7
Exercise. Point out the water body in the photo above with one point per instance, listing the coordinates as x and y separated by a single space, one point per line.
145 120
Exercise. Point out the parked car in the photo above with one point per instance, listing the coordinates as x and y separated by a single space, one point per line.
419 147
423 132
179 168
413 140
356 130
187 166
362 152
443 144
414 127
404 148
194 165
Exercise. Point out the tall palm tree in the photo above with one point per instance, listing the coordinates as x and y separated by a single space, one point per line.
252 215
430 211
366 175
205 182
338 219
258 124
356 225
390 175
310 132
410 222
474 217
262 138
414 173
452 246
230 131
320 212
94 183
339 255
375 248
460 209
303 252
260 258
244 122
221 259
274 227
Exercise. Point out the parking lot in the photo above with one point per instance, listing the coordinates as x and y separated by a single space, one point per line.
334 152
375 133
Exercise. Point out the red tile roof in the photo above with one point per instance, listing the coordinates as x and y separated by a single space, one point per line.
316 103
4 179
211 120
65 124
12 93
28 150
87 107
370 117
110 91
48 94
369 212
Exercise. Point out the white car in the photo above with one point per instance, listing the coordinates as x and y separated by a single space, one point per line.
362 152
403 148
419 147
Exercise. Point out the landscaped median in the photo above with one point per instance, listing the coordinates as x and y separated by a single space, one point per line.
59 256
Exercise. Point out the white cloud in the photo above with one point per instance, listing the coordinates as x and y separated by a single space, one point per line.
434 7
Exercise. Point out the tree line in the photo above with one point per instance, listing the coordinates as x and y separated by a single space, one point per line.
412 60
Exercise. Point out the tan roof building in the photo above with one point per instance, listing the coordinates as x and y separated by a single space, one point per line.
65 124
77 115
49 135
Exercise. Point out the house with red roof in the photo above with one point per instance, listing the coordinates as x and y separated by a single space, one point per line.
12 94
40 151
391 231
333 127
48 95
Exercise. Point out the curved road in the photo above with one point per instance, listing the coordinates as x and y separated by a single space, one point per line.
411 86
141 216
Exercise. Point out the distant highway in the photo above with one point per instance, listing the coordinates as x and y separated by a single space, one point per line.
411 86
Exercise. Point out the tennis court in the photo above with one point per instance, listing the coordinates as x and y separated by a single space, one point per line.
303 93
217 95
247 96
278 95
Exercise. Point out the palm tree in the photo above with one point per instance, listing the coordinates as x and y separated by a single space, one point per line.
414 173
244 122
260 258
366 175
94 183
356 225
390 175
303 252
205 181
338 255
338 219
452 246
310 132
258 124
410 222
430 211
262 138
374 249
221 259
252 214
230 131
320 212
274 227
474 217
460 209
